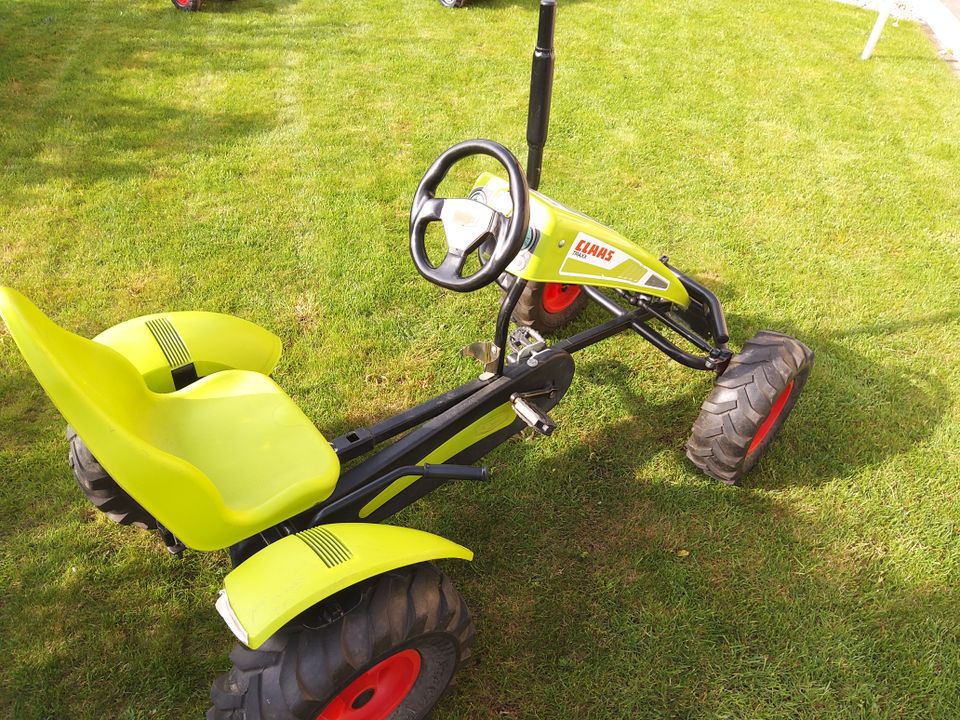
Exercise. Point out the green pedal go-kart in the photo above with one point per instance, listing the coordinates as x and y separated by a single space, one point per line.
175 425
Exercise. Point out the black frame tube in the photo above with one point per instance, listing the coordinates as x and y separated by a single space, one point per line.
541 92
503 320
591 336
685 332
437 471
717 320
648 333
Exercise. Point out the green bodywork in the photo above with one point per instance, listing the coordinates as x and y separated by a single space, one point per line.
216 462
295 573
574 249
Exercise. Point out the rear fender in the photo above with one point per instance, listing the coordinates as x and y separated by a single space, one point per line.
172 349
271 588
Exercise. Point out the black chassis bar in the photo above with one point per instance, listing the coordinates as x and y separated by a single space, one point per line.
705 305
439 418
548 378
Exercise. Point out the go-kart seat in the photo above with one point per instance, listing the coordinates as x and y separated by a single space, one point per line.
215 462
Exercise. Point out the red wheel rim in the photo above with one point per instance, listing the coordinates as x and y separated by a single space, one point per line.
181 3
378 692
557 297
775 412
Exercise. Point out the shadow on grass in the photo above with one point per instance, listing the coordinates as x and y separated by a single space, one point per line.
622 593
108 627
69 118
856 411
630 594
648 599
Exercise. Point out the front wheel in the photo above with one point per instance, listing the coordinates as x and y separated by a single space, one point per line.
453 3
748 405
547 307
192 5
388 656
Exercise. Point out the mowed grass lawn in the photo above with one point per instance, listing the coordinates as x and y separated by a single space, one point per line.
259 158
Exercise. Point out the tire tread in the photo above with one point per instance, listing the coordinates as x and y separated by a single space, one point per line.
300 667
741 400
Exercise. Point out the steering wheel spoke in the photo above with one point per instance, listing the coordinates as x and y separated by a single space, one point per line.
430 209
452 264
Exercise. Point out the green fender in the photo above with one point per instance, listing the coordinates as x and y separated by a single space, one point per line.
291 575
159 345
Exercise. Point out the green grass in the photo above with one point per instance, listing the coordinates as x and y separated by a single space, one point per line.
258 159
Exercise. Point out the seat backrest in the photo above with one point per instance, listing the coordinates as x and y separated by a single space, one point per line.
78 374
106 400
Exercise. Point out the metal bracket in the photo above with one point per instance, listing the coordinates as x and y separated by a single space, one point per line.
485 352
174 546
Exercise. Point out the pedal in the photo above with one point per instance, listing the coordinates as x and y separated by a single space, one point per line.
524 342
532 415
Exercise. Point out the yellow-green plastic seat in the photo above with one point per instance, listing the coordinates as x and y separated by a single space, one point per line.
215 462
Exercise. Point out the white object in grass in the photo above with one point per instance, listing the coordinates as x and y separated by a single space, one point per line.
877 29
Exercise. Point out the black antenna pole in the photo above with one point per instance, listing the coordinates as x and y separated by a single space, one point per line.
541 92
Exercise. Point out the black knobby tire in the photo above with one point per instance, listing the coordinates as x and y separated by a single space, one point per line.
534 306
102 490
748 405
191 5
301 670
453 3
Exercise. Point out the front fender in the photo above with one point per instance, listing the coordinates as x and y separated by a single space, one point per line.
272 587
574 249
188 345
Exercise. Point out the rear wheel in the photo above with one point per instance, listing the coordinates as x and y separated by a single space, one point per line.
748 405
453 3
102 490
390 656
547 307
192 5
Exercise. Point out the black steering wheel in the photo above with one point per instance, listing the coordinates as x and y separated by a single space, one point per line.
467 224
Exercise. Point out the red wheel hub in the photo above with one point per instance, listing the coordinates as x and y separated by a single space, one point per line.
557 298
775 412
378 692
